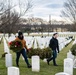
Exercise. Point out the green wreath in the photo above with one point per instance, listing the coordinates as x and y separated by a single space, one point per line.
73 49
16 46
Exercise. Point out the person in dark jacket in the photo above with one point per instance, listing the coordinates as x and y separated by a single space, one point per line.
23 51
55 48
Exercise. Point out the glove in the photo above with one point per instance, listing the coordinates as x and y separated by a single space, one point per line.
28 50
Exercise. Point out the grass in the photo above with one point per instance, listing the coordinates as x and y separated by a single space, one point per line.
45 69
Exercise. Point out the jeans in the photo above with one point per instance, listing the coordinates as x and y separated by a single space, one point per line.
53 57
23 52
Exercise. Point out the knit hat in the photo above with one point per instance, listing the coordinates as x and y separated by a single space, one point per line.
20 33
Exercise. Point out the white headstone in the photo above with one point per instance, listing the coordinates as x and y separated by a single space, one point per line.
69 55
8 60
35 63
74 63
62 73
6 48
68 66
35 43
13 71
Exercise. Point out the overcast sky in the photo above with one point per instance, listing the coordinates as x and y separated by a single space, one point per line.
44 8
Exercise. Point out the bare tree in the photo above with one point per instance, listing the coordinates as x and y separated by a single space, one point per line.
10 18
70 12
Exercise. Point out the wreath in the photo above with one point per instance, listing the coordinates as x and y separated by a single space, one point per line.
16 46
73 49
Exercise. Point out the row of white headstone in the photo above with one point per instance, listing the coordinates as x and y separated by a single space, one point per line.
8 61
42 42
74 56
68 67
35 65
15 70
69 55
6 48
8 56
64 34
69 64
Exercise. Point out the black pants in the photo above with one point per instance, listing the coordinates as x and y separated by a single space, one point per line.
23 52
53 57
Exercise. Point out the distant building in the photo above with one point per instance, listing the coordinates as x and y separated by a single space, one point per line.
34 21
57 22
45 28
